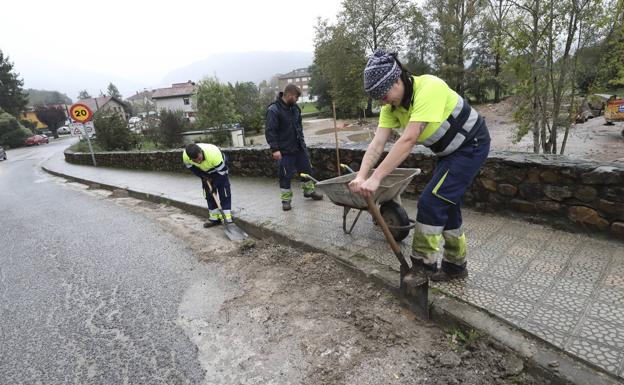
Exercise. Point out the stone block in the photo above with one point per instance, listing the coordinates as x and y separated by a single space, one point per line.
558 193
549 206
488 184
604 175
612 209
523 206
549 176
507 189
617 229
531 191
587 216
533 176
586 194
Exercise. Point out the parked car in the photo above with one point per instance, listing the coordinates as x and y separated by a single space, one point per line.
134 120
2 153
63 130
36 140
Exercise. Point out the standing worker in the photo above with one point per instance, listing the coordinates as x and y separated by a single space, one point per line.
432 114
208 163
284 134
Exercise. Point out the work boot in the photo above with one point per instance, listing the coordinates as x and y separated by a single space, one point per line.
450 271
211 223
286 205
418 264
317 196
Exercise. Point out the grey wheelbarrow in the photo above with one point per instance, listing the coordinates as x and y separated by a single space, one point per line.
387 196
387 211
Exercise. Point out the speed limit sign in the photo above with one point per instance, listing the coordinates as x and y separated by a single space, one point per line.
80 112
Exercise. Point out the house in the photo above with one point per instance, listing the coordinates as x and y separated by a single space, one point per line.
301 78
31 115
106 103
142 103
176 98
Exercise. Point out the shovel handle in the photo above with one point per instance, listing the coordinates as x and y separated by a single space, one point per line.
374 210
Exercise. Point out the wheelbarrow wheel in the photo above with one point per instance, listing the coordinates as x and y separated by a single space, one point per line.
395 215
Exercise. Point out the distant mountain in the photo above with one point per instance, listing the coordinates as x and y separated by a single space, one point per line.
36 97
241 66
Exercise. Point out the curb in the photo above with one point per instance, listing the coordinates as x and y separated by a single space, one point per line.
446 311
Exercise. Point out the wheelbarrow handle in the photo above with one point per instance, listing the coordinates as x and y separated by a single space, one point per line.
374 210
308 176
347 168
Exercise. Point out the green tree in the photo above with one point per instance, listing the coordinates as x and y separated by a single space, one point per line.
12 134
319 87
527 31
216 109
341 59
376 23
611 73
496 42
12 97
51 116
112 91
172 125
456 30
113 132
83 95
250 105
419 46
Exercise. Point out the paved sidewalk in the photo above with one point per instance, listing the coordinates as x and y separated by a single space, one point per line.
567 289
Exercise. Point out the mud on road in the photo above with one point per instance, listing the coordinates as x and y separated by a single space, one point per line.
278 315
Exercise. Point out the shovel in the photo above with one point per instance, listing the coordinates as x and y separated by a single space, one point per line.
415 287
233 232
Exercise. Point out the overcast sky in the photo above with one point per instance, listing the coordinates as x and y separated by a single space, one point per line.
63 44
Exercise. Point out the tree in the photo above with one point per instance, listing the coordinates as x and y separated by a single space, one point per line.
113 132
215 109
527 33
419 46
113 91
12 98
250 105
376 23
51 116
497 42
12 134
341 59
83 95
456 30
172 125
611 73
319 87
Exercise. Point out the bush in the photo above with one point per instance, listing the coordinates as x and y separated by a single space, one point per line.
172 125
12 134
113 132
28 124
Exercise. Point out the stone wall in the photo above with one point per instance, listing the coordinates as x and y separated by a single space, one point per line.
553 189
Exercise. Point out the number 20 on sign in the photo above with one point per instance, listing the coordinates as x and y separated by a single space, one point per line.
80 112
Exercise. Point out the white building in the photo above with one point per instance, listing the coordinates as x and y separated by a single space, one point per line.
176 98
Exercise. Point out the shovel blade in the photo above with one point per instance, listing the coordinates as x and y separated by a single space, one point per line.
415 289
235 233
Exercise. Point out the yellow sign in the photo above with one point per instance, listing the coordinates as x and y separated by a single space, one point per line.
80 112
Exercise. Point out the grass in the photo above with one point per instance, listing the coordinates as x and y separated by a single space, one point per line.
308 107
82 146
456 336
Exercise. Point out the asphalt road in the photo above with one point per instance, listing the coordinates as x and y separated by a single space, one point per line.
89 292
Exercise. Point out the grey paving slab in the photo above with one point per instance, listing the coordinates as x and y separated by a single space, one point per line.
567 289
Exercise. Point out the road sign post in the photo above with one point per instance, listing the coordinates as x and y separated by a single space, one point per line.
82 114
